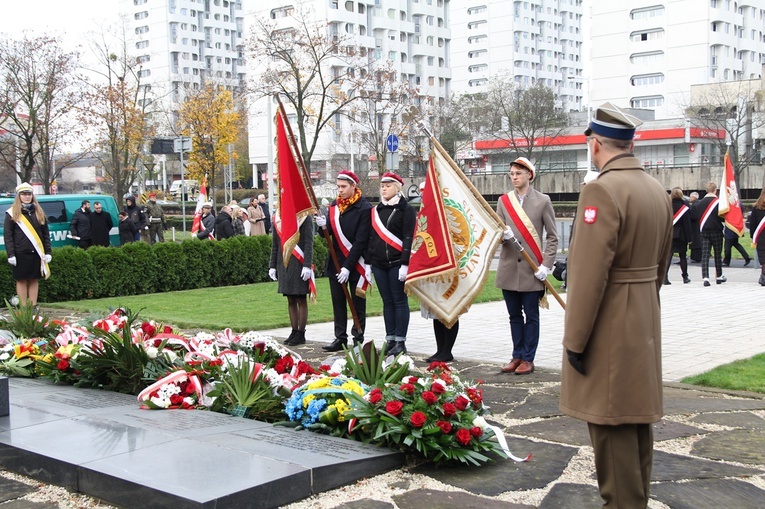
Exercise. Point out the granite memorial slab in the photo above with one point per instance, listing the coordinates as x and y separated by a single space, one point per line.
565 430
435 499
540 404
571 495
502 475
674 467
741 446
21 386
709 494
5 397
501 400
683 401
732 419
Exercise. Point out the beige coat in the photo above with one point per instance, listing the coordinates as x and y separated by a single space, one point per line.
513 272
616 265
256 216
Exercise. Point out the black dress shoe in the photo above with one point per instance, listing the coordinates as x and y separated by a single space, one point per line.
290 338
747 262
334 346
686 279
399 347
721 280
667 282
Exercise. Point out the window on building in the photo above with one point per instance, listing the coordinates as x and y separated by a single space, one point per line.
647 79
647 12
142 15
647 58
479 9
647 35
653 101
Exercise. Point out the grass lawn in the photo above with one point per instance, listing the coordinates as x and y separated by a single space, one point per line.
743 375
245 307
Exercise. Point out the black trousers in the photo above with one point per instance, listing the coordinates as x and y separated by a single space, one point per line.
340 309
711 241
729 245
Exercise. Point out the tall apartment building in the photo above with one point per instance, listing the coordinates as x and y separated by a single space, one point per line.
410 37
536 41
648 53
183 44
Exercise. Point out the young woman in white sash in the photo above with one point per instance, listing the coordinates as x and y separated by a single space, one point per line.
27 243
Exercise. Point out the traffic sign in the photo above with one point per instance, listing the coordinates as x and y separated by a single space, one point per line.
392 143
182 142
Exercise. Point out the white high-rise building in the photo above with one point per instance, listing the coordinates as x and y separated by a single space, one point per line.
183 44
411 38
648 53
536 41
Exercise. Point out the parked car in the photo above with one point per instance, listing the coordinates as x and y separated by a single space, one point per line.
190 189
59 209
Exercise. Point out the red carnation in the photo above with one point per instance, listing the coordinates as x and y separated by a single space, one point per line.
463 436
176 399
418 419
167 329
375 396
449 409
461 402
475 395
408 388
148 329
476 431
446 426
429 397
394 407
62 365
437 388
284 365
304 368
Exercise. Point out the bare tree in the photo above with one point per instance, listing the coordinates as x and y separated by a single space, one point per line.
525 117
317 72
115 110
463 117
734 107
37 97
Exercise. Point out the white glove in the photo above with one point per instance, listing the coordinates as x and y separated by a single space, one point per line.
542 273
272 274
343 276
47 258
402 271
145 227
12 260
321 221
368 273
507 234
306 274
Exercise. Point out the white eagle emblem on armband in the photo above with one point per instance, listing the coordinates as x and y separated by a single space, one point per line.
590 214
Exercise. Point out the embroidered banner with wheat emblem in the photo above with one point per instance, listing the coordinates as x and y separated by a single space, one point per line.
455 238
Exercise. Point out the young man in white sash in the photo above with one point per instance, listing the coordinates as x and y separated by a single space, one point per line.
348 223
711 227
27 242
528 215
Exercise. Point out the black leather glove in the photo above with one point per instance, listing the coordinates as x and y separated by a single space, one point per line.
575 359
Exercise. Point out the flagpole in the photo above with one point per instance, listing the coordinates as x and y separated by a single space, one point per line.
312 196
491 211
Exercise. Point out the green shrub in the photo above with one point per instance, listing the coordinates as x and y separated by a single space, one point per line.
7 283
73 276
173 271
142 268
320 254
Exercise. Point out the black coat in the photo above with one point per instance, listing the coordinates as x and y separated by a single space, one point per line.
100 224
355 223
754 221
127 231
290 282
682 229
714 223
399 220
223 227
136 215
79 226
16 241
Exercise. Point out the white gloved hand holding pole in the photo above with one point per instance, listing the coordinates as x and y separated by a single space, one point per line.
321 221
272 274
368 273
507 234
342 277
542 273
306 274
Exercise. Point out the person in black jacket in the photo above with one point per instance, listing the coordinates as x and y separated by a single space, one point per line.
136 215
126 228
223 226
731 241
705 211
682 234
79 226
28 248
757 232
390 243
348 224
100 225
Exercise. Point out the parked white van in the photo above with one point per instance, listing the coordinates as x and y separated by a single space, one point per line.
190 189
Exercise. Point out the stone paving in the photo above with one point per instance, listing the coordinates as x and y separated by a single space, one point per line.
710 446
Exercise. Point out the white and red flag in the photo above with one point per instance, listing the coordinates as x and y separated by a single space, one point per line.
730 206
196 224
456 236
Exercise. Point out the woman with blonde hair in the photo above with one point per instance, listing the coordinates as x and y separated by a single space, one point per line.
27 243
682 233
756 231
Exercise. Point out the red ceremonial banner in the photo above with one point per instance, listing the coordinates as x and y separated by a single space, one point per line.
730 206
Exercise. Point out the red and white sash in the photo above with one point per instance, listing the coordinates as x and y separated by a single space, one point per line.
297 252
758 231
384 233
707 213
523 224
345 247
680 213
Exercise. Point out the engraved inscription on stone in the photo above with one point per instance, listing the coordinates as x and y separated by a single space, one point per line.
312 443
175 420
89 400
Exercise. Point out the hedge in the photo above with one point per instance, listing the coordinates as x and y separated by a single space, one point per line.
138 268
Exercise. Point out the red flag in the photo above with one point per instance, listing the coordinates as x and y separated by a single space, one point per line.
196 224
730 207
294 202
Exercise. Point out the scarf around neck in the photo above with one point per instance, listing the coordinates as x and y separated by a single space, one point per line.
343 203
392 202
